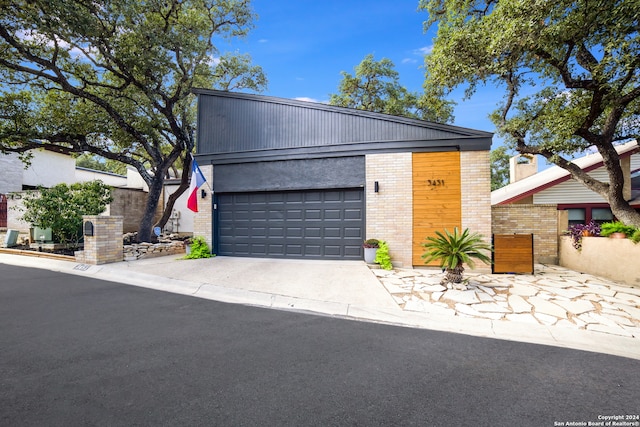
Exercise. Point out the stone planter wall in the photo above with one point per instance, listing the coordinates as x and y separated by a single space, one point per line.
151 250
615 259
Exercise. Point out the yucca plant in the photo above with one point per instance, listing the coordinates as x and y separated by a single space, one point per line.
455 249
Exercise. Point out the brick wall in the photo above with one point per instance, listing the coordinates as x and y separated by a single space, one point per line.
203 220
105 245
130 204
475 175
541 220
127 203
389 214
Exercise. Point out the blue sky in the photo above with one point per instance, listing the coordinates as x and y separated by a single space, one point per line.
303 45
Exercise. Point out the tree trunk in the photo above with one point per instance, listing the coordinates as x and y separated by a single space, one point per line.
454 275
615 195
612 191
624 212
153 197
184 185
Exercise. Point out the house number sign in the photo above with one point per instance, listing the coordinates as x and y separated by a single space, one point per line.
435 182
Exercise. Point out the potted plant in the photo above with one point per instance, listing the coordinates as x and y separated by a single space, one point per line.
453 250
370 249
616 230
590 230
578 231
187 245
199 249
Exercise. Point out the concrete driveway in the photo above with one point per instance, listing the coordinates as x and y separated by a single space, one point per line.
343 282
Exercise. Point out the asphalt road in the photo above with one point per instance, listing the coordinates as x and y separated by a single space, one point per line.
78 351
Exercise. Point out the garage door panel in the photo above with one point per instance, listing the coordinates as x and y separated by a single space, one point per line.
355 214
333 251
311 214
293 232
299 224
294 214
294 250
294 197
332 214
352 251
330 233
353 233
353 195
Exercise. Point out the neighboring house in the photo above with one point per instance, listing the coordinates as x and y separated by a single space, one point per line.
295 179
555 186
48 168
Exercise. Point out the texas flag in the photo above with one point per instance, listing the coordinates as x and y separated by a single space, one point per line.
197 179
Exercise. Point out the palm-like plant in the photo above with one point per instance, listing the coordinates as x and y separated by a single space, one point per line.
455 249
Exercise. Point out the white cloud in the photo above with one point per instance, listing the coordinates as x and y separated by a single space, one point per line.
263 41
74 52
304 98
423 50
409 61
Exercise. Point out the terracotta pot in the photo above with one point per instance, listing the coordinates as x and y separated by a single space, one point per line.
586 233
617 236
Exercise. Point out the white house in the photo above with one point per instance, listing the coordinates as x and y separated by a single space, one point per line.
555 185
48 168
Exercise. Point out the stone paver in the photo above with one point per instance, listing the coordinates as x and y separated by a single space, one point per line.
553 296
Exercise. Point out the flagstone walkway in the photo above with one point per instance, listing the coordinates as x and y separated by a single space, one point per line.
552 296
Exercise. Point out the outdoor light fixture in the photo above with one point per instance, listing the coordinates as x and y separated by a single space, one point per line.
376 187
203 194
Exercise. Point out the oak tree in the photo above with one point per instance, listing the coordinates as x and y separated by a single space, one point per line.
569 69
376 87
114 78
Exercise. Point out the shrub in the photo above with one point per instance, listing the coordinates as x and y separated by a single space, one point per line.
608 228
62 206
576 232
199 249
453 250
382 256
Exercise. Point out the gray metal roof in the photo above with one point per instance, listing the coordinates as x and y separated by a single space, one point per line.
235 127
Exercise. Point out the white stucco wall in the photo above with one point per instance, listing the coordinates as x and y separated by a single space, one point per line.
48 169
185 220
615 259
84 175
10 173
134 180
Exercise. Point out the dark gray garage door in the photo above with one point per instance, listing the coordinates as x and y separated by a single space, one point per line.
318 224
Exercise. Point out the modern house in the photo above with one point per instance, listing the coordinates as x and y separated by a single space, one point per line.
295 179
554 186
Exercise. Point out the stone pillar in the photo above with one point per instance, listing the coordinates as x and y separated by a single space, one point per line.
105 245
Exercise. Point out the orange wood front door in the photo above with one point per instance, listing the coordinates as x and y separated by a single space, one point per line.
436 197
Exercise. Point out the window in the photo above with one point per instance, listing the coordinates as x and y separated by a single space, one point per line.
600 215
576 216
